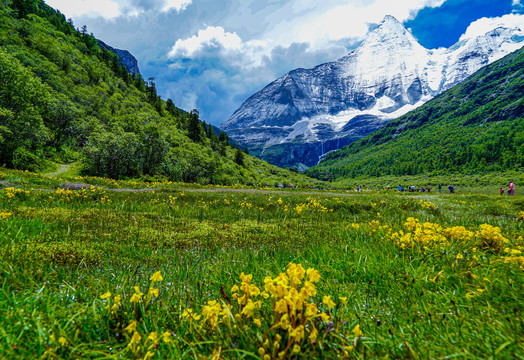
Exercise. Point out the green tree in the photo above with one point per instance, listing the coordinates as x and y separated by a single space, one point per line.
239 157
22 97
154 148
113 154
194 127
24 7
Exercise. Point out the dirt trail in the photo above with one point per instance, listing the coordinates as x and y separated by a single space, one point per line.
63 168
247 191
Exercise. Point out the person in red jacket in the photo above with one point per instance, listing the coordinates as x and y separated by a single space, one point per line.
511 188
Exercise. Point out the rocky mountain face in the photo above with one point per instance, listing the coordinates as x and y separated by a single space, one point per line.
298 118
125 56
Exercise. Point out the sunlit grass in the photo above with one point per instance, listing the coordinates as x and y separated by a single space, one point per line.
95 272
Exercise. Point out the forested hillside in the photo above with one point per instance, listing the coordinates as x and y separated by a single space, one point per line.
64 98
475 127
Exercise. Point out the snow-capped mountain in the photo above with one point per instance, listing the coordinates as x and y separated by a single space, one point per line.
306 113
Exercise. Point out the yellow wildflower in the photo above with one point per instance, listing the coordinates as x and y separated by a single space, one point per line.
131 327
153 292
313 335
356 330
328 302
135 339
153 337
297 334
137 295
313 275
166 336
157 277
63 341
106 295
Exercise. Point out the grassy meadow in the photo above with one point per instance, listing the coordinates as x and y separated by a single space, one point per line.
153 270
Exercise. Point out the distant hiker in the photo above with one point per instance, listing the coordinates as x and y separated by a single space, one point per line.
501 191
511 188
428 189
412 188
451 189
400 188
440 188
358 188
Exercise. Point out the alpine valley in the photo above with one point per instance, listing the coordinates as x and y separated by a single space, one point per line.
297 119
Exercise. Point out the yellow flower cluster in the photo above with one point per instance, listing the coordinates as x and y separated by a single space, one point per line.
11 192
520 216
5 215
294 317
490 237
418 234
427 205
487 237
311 204
81 194
137 344
458 233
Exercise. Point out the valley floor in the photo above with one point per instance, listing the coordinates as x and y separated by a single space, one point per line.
173 270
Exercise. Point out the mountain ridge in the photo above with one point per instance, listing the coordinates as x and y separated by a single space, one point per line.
475 127
306 113
128 59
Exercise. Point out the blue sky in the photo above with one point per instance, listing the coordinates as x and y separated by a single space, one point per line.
213 54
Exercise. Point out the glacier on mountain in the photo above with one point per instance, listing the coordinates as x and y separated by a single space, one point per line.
298 118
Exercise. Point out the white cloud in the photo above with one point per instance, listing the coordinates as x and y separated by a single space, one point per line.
483 25
216 39
323 24
212 36
178 5
319 25
515 3
111 9
105 8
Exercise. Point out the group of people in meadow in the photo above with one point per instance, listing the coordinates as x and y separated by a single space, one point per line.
412 188
511 189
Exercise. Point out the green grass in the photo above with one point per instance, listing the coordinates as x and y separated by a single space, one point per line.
60 251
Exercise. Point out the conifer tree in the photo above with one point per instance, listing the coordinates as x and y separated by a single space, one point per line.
194 127
239 157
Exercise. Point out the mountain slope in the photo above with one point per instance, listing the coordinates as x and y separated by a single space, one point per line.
125 56
308 112
477 126
64 98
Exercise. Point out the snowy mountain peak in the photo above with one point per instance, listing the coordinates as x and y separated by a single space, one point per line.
391 25
308 112
389 32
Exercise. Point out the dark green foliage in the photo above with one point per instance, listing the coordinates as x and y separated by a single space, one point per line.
115 154
22 102
194 129
239 157
476 127
23 8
